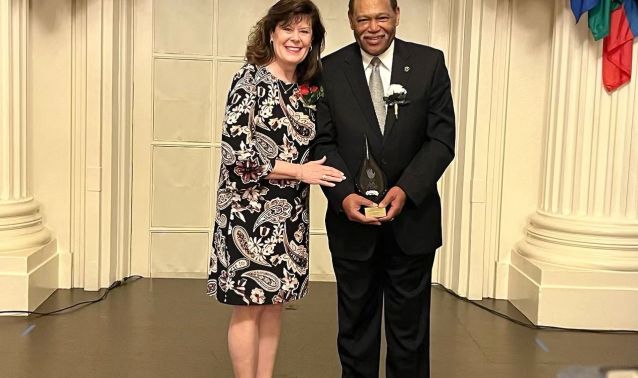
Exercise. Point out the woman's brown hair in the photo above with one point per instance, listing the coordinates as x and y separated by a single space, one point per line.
260 51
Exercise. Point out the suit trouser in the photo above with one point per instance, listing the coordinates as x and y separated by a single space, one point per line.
397 284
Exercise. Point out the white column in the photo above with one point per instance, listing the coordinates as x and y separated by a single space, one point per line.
28 258
578 265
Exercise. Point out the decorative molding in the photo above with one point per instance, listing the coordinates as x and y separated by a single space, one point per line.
142 135
495 283
101 142
21 226
478 52
548 294
78 135
439 20
581 243
86 164
444 270
318 231
124 138
322 277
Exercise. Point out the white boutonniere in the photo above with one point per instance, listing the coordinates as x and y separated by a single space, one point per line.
395 96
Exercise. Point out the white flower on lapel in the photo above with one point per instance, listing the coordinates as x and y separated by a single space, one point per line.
395 96
396 89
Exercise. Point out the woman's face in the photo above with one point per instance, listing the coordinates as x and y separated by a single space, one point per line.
292 42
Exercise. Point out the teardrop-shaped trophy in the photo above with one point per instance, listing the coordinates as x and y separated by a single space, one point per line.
371 183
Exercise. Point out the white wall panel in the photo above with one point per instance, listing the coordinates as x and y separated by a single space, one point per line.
179 254
223 77
181 192
235 20
183 27
183 103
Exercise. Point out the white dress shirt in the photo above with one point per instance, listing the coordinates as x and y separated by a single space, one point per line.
385 68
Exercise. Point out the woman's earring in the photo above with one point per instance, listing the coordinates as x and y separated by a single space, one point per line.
310 48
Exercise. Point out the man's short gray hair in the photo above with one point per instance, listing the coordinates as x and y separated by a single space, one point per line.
393 4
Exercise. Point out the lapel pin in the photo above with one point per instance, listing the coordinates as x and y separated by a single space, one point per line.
406 68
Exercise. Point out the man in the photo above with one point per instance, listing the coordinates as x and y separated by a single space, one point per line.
385 263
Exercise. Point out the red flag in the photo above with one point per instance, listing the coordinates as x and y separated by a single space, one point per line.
617 48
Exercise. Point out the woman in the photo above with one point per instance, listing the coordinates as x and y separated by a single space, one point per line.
259 256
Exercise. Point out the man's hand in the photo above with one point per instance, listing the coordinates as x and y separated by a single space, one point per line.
395 198
351 206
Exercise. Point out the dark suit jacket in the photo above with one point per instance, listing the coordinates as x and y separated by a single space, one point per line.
413 152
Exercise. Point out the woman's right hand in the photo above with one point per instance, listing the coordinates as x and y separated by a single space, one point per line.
315 172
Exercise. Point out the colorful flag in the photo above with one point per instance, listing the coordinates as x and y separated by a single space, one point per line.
599 17
581 6
631 11
617 49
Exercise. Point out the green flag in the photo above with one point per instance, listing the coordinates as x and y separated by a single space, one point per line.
600 16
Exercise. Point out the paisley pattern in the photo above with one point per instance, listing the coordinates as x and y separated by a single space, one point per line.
267 280
251 250
259 252
228 155
275 211
266 146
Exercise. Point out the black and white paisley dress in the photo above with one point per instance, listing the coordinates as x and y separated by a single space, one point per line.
259 252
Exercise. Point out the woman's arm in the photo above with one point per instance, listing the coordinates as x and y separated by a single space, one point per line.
246 164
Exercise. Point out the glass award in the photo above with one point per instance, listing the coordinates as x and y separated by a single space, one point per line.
371 183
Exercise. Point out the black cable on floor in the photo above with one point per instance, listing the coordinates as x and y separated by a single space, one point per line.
532 326
115 284
125 280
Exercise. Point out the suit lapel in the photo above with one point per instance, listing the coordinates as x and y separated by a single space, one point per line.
401 70
358 83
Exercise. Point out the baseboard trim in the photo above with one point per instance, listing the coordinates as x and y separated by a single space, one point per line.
322 277
28 287
553 295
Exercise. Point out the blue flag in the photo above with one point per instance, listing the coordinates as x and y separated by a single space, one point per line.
631 11
581 6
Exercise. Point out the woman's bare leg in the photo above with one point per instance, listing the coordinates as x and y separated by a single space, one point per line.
243 340
269 331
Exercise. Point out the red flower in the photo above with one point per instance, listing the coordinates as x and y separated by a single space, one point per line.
304 90
309 94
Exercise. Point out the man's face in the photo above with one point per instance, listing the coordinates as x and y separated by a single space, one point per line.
374 24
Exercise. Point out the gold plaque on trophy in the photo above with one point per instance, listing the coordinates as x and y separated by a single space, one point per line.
375 212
